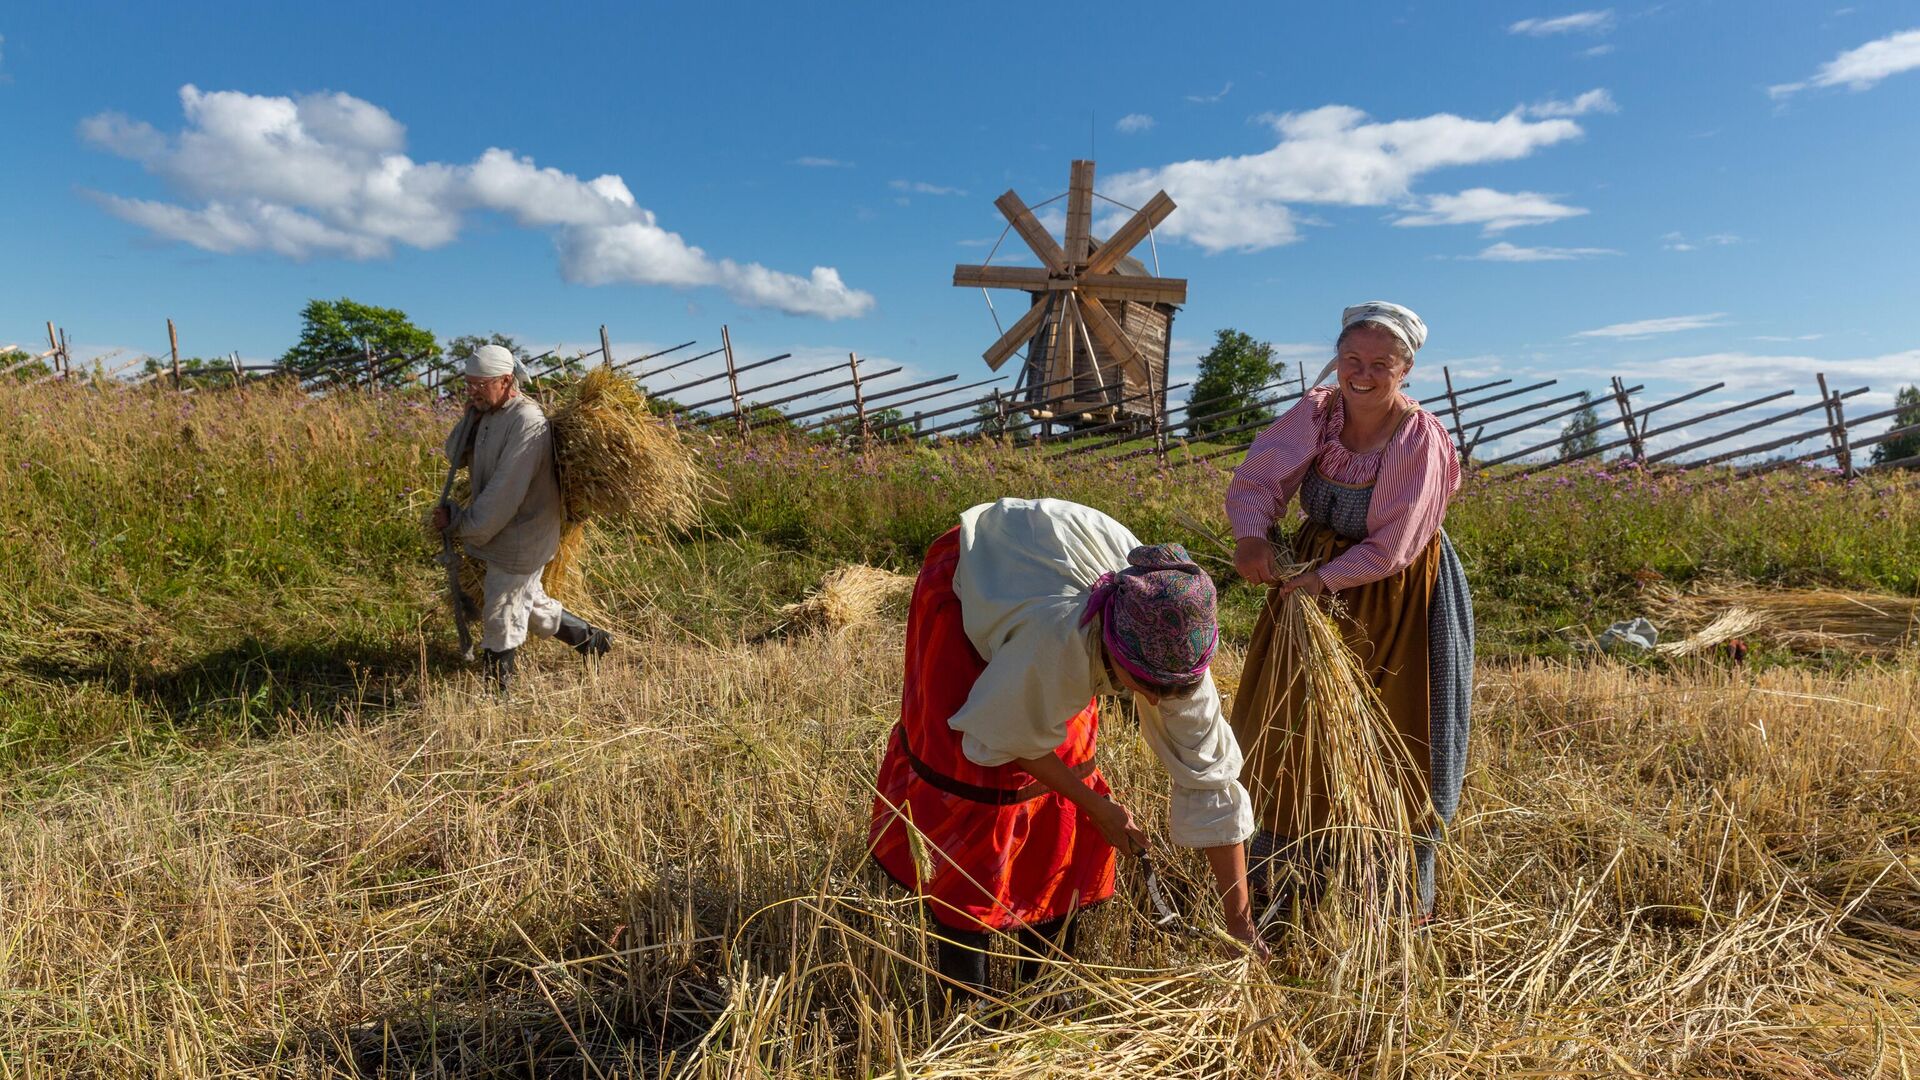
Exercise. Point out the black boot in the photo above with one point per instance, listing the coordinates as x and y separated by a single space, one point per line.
497 667
586 639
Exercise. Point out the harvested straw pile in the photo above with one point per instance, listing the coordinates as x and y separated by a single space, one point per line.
852 596
619 463
1806 621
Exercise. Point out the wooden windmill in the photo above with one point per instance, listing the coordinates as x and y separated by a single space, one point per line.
1097 318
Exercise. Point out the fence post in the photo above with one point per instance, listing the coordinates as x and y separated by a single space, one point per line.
173 346
859 400
55 346
1157 412
1626 418
1836 427
999 415
1459 433
606 348
733 380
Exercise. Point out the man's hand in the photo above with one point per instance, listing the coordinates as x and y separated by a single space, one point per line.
1253 558
1308 583
441 518
1115 822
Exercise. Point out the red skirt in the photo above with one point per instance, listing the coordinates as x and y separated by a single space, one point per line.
998 849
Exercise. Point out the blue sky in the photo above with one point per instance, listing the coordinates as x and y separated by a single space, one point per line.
1678 193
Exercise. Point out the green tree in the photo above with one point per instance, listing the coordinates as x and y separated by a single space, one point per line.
336 334
1587 423
194 371
1231 377
884 423
28 369
1906 446
994 422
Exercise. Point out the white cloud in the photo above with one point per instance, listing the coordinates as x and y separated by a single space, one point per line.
1209 99
1675 241
4 77
1133 124
810 162
1863 67
117 134
1496 211
1593 101
327 175
1580 22
1505 252
1597 50
1789 337
921 187
1648 327
821 293
1332 155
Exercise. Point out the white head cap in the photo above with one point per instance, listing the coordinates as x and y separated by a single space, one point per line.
488 361
1399 321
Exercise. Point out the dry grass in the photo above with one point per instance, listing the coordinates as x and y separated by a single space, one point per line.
662 870
847 598
1805 620
619 463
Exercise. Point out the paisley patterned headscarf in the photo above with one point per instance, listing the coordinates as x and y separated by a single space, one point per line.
1157 616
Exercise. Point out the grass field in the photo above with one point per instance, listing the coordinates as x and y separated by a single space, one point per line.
259 822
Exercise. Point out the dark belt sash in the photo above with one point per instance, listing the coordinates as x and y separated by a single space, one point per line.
975 792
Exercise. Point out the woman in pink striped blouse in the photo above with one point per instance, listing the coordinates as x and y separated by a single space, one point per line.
1373 473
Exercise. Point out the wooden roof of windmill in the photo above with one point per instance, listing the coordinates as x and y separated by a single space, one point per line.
1073 322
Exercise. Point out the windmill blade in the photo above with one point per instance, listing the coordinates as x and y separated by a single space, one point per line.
1017 335
1147 290
1109 336
1032 232
1080 213
1134 231
1031 278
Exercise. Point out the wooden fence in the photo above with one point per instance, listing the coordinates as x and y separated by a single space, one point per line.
864 409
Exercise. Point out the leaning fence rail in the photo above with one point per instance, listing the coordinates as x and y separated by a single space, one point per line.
866 411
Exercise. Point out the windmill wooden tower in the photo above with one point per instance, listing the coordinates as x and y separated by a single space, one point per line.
1098 325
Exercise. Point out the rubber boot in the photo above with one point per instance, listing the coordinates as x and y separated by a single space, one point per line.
497 667
586 639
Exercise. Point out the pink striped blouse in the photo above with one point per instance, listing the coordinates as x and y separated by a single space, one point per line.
1413 476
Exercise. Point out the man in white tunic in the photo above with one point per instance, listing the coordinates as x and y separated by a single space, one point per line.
512 522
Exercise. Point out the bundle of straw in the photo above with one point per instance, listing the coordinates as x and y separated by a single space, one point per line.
852 596
1730 624
1354 778
1804 620
618 462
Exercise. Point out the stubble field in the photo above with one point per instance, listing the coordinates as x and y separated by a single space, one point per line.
258 822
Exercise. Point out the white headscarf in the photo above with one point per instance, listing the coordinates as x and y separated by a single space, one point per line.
1399 321
488 361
